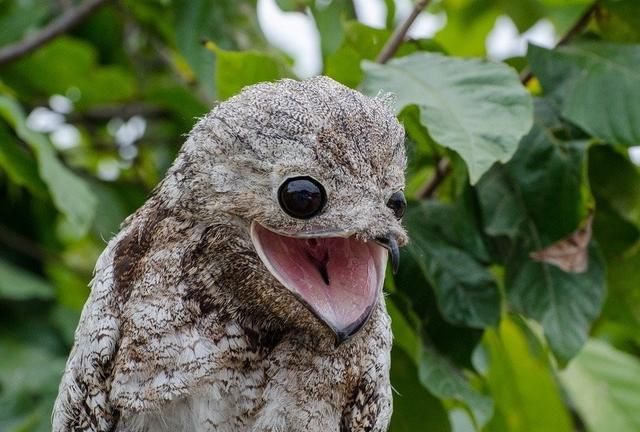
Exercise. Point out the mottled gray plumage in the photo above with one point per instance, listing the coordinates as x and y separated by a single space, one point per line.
187 330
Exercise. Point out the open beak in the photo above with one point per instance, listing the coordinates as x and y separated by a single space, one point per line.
339 279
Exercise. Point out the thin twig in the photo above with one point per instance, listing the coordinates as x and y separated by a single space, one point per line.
575 30
443 168
54 29
397 37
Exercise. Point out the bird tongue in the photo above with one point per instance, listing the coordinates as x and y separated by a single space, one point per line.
337 278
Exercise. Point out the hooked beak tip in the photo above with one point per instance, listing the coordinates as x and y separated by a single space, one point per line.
390 243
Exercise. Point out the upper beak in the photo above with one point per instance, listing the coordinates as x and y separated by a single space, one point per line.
390 243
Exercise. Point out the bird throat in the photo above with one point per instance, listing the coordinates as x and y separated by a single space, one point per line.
338 279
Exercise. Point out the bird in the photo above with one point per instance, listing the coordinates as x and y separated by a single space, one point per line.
246 293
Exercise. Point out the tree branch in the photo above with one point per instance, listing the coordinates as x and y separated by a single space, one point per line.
55 28
575 30
443 168
396 38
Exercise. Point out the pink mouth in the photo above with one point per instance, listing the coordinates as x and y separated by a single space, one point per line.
338 279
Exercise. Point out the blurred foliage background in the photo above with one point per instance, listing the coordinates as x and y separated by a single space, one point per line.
517 306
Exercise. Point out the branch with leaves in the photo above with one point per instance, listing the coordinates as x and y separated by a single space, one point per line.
443 167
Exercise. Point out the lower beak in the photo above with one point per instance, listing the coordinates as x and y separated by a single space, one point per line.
353 328
390 243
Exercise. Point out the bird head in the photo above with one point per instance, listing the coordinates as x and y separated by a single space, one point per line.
314 172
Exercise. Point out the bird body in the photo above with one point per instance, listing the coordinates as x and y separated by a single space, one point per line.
194 322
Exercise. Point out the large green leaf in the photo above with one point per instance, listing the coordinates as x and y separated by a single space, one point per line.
604 385
477 108
446 382
527 398
69 193
598 85
466 291
412 400
19 284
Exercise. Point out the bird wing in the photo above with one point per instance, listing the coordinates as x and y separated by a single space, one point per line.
370 408
83 397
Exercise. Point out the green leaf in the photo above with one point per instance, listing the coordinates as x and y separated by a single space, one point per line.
598 85
29 377
446 382
17 163
466 291
360 42
527 398
69 193
192 28
230 24
604 385
18 284
539 197
524 13
623 301
236 69
564 303
619 20
329 17
411 400
18 17
468 24
541 194
616 180
477 108
405 336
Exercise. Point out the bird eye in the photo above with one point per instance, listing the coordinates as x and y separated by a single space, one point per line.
397 203
301 197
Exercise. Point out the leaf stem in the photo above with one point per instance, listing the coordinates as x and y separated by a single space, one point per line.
55 28
396 38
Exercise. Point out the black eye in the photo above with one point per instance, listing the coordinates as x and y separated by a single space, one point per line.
397 203
301 197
